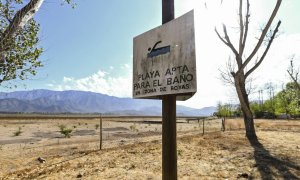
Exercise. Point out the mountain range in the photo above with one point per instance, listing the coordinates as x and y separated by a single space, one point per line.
48 101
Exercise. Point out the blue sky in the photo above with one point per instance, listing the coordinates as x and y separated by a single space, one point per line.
96 35
90 47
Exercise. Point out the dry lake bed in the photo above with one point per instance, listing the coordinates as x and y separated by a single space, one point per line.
131 149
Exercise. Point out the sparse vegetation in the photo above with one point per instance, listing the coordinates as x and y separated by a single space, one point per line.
97 126
65 131
179 152
18 132
133 128
143 148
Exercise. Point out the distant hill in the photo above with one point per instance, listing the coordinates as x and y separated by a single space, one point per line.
47 101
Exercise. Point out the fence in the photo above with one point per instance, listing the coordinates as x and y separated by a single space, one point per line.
44 137
85 131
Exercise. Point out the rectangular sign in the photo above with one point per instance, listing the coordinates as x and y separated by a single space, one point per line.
164 60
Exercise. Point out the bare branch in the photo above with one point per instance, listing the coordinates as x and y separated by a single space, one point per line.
241 27
226 77
250 88
227 40
246 29
292 69
294 75
294 79
263 34
222 39
265 52
227 74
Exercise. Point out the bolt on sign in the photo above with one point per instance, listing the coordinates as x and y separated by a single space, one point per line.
164 60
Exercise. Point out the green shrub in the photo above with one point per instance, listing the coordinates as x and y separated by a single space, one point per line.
179 152
132 127
65 131
18 132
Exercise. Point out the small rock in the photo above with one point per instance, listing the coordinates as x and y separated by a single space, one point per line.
132 166
41 160
79 175
122 142
298 147
243 175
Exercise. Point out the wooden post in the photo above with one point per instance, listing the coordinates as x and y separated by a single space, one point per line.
169 143
101 131
203 127
167 11
223 124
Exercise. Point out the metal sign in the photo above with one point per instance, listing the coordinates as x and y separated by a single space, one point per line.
164 60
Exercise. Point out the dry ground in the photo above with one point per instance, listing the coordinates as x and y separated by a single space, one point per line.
132 150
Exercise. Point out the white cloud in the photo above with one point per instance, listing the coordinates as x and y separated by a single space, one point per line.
125 66
50 85
67 79
100 82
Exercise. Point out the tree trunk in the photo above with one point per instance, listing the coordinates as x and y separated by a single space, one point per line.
19 20
243 98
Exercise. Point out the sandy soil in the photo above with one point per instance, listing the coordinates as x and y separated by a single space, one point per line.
132 150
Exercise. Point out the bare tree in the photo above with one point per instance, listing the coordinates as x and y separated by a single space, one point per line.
241 60
270 88
294 73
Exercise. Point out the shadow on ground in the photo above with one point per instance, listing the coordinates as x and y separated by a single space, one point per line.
270 166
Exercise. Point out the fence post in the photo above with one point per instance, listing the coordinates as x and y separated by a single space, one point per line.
100 131
203 126
223 124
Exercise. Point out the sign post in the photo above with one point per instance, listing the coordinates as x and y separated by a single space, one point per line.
164 67
164 60
169 139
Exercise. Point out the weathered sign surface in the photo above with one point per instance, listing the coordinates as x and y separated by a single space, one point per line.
164 60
